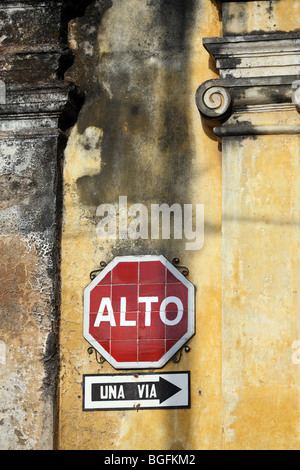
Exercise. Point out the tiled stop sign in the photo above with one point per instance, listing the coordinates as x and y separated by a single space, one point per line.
138 312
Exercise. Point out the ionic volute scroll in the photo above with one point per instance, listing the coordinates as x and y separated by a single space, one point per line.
214 101
296 94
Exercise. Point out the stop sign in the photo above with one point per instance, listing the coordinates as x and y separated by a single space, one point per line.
139 311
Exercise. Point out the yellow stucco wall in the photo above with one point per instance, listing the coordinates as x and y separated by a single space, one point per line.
262 16
260 304
247 309
82 251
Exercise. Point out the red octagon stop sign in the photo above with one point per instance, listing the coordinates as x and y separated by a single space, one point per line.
139 311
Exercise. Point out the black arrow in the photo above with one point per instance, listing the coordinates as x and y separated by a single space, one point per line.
161 390
166 389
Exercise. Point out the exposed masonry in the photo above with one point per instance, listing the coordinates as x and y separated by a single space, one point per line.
36 108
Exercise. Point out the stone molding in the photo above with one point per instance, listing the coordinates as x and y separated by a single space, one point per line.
258 74
218 98
256 56
44 106
33 62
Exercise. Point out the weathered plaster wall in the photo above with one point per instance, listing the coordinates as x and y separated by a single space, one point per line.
31 146
260 248
260 304
28 300
139 135
258 16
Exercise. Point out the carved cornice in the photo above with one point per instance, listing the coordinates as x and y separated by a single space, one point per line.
256 55
46 106
259 74
34 96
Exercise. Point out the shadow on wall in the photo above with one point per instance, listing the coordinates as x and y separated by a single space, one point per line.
138 98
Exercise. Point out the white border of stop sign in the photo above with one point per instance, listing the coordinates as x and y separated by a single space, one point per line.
190 312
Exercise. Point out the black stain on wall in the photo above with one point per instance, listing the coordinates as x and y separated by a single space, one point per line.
147 150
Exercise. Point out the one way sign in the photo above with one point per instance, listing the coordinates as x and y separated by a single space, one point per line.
136 391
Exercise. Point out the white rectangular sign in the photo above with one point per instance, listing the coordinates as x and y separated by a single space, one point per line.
136 391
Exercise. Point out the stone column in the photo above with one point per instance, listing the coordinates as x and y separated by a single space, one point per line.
253 109
36 108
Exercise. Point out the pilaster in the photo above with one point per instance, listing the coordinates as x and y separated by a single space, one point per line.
254 110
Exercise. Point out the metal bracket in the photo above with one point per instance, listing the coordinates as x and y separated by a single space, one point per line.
94 273
176 358
183 269
98 357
